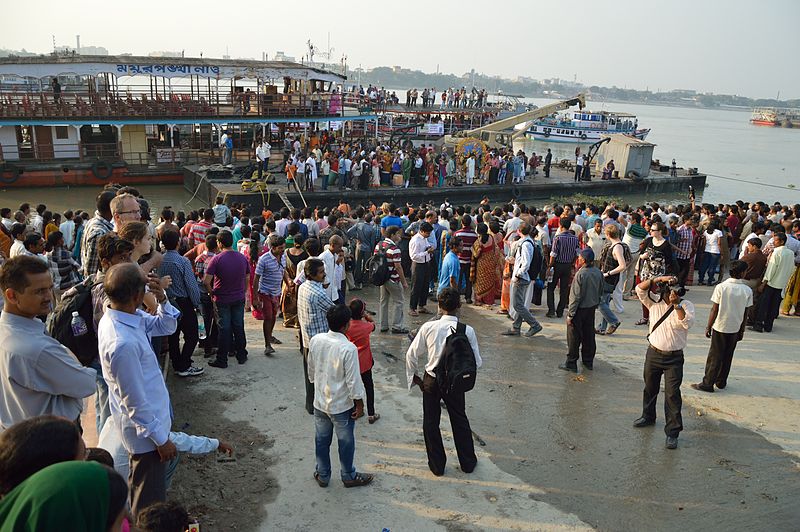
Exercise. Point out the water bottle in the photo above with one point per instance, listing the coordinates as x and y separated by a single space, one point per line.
549 275
201 326
78 325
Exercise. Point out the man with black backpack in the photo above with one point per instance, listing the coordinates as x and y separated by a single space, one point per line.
453 358
527 266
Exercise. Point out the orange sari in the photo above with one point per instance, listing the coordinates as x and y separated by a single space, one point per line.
486 267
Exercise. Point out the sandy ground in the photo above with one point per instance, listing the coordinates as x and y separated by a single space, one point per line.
559 451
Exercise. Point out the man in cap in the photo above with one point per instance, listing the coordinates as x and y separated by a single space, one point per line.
584 296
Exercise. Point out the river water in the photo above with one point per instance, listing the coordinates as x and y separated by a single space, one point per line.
760 163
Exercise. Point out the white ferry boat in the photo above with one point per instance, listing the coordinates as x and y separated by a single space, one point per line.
585 126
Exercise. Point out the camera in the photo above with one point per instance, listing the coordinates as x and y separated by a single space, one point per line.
665 287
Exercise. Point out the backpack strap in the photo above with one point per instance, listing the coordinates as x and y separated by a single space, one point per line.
461 328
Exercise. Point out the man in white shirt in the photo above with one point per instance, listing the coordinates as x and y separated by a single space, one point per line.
5 212
263 153
138 396
329 258
512 224
67 229
421 252
430 340
664 356
779 269
18 246
38 375
334 370
731 300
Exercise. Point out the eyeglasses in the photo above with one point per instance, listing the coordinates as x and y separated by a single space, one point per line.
119 213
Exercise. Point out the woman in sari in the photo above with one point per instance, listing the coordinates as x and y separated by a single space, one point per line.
430 168
442 170
294 255
485 267
375 180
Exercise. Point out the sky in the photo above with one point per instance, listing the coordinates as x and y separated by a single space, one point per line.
738 47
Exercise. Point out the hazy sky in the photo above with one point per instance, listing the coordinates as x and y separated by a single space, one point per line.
736 47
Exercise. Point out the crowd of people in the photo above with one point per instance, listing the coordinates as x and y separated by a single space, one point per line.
426 98
92 300
359 166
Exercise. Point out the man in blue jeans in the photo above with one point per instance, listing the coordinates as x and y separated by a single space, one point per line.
334 370
226 280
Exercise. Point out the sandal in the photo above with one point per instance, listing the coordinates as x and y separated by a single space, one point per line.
643 321
361 479
374 418
600 332
322 483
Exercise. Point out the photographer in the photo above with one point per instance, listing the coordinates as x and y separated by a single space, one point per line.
671 318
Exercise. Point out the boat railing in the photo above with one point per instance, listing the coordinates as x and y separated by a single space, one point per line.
135 104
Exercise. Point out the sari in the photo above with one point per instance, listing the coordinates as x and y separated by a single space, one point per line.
431 170
289 293
484 271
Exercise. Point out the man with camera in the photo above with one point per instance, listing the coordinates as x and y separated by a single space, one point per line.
671 318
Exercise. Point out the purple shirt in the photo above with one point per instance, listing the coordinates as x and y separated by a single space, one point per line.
230 270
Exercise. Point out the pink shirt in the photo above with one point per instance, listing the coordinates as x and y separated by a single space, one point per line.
358 333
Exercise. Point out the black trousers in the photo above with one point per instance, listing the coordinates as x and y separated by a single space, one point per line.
462 433
420 278
578 172
309 384
147 480
720 356
670 365
369 387
683 271
210 320
581 335
769 304
463 280
561 274
187 324
547 170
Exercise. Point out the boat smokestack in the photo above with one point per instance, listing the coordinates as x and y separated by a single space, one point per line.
78 44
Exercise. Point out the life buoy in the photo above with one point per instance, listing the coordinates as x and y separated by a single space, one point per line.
515 191
583 136
15 173
102 169
547 132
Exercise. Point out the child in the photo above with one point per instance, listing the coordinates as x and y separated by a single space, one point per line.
361 326
291 172
163 517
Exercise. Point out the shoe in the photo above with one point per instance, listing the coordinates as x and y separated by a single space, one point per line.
559 315
218 364
423 310
590 367
721 385
241 360
269 351
191 371
322 483
612 329
601 332
208 353
468 301
361 479
273 340
550 315
566 367
672 442
533 331
702 388
399 331
510 332
643 321
413 313
758 328
384 330
373 418
643 422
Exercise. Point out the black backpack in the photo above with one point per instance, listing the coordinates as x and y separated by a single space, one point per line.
457 369
59 323
378 267
535 267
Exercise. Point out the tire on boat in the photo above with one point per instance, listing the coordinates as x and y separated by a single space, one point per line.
16 171
546 132
102 169
583 136
634 175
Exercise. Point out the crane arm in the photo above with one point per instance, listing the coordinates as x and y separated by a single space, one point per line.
527 116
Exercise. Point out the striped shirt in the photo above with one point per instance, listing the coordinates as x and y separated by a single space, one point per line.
197 234
95 228
565 248
685 240
200 264
468 237
312 308
392 257
184 283
270 269
63 269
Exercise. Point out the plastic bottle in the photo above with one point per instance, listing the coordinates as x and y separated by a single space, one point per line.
78 325
549 278
201 326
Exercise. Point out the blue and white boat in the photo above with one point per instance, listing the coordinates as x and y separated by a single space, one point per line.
584 127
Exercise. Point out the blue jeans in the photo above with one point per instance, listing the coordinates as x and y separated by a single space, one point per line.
230 320
709 264
101 408
345 435
605 310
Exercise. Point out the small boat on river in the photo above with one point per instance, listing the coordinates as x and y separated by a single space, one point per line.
585 127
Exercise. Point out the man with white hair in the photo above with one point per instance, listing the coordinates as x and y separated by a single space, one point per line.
512 224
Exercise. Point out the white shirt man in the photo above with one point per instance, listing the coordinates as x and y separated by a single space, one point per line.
67 229
311 163
328 258
263 152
